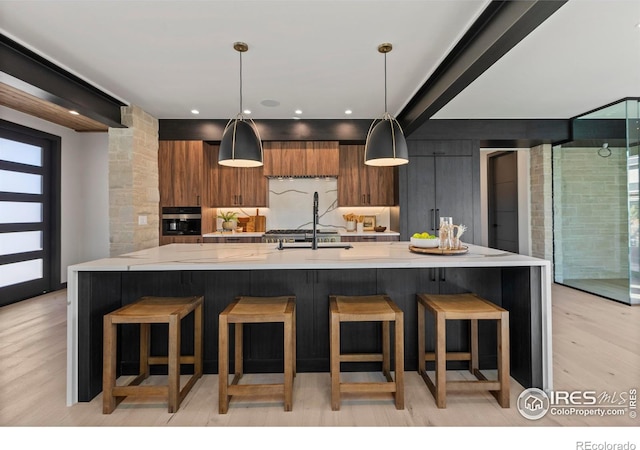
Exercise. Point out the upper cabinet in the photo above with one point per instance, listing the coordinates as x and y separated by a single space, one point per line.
233 186
301 158
180 172
362 185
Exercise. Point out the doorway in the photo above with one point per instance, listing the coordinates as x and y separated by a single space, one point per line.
29 213
502 201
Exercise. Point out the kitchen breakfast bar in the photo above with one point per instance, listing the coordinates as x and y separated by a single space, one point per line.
220 272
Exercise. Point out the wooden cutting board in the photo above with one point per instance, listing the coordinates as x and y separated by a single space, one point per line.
260 222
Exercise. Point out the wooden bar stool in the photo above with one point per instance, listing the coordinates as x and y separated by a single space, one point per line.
255 310
368 308
462 307
145 311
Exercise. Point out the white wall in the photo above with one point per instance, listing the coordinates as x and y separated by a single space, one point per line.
84 190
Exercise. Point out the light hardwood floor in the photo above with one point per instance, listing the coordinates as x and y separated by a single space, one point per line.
596 346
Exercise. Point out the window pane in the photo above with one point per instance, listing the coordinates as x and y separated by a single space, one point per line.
23 183
20 212
19 272
20 153
20 242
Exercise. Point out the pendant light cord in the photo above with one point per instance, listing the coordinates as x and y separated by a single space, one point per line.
240 82
385 83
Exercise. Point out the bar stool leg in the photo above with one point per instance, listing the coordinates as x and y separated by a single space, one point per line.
335 359
441 361
473 361
399 355
421 338
197 341
223 364
503 360
288 363
109 364
174 363
386 349
238 362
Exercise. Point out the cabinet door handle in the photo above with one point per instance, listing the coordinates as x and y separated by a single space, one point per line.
368 238
197 200
240 197
433 219
369 199
232 239
437 222
442 277
364 199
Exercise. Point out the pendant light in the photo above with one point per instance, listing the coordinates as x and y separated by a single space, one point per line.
386 145
241 145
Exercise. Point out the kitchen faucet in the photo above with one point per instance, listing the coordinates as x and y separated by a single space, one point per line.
314 241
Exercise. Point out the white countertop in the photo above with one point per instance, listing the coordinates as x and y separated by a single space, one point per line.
260 256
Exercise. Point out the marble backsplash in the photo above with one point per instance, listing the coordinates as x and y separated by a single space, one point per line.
291 205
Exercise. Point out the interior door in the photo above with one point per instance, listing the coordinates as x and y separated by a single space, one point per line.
502 191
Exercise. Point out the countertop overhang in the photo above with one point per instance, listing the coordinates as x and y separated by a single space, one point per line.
361 255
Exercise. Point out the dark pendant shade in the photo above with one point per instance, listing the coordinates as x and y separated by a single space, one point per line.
240 145
386 145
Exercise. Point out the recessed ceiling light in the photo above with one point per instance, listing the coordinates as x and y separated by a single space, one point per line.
348 111
298 111
270 103
247 111
75 113
195 111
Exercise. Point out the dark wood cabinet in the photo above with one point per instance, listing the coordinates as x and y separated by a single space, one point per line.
362 185
301 158
164 240
180 173
233 186
441 180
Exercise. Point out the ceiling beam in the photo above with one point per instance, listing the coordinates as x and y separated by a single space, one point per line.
27 71
500 27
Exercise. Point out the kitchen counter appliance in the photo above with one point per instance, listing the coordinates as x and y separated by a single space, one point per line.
300 235
181 221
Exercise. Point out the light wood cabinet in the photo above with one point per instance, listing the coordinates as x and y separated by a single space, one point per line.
301 158
233 186
180 173
362 185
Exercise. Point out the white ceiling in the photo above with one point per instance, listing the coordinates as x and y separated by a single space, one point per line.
169 57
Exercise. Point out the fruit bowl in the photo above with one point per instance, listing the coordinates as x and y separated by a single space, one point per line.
425 243
380 229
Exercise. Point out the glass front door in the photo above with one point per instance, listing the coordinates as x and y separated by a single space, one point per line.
25 216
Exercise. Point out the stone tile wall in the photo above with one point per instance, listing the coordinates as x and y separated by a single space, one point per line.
591 218
133 182
541 202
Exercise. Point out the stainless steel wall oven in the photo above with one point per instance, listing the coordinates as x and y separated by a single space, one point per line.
181 220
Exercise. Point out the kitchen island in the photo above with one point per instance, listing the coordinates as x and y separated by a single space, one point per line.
520 284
